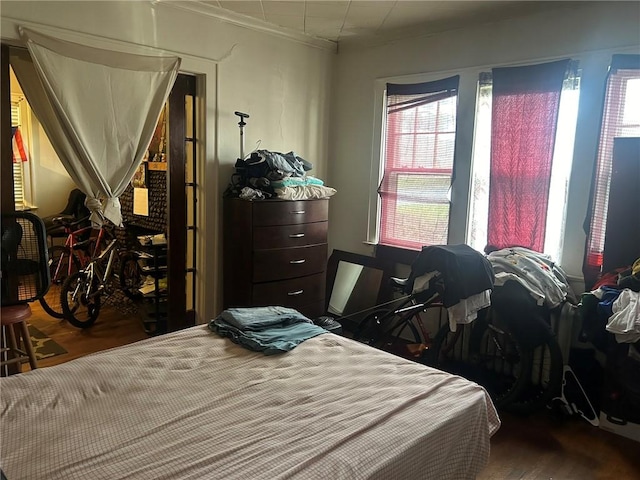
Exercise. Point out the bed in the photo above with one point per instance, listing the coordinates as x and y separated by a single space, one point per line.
192 405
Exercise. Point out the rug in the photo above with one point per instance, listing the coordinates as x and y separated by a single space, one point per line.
120 302
43 345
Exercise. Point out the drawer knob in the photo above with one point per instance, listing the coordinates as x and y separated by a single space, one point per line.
297 292
297 261
298 212
296 235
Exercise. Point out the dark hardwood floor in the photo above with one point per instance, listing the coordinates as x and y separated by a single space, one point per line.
543 446
116 326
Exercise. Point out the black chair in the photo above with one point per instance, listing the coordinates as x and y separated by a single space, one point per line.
24 279
74 211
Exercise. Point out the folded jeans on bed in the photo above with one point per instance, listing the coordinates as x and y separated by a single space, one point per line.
269 330
257 318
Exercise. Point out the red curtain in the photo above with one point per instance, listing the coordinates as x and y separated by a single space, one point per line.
18 147
524 119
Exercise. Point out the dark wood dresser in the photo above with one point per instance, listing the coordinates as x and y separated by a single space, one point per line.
275 253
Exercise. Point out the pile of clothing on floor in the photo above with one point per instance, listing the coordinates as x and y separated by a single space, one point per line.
528 286
536 272
268 174
613 303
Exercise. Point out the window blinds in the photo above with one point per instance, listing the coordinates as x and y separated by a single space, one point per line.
620 118
418 163
18 168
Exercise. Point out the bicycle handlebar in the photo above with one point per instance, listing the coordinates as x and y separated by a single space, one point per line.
64 221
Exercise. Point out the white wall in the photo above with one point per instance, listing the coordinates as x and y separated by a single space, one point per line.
589 32
47 183
283 84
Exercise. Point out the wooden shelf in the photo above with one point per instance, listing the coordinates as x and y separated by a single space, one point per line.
160 166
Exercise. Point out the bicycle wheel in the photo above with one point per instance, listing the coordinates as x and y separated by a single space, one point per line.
384 330
544 382
487 353
59 258
130 276
80 300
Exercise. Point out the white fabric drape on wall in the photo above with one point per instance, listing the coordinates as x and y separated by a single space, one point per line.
99 109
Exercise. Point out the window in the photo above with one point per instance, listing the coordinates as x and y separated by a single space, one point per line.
20 154
538 183
420 133
620 118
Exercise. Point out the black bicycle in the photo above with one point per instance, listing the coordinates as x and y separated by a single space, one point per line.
486 352
400 330
521 372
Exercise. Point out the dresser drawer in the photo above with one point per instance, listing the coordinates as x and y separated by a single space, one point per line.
289 213
275 252
287 236
293 293
269 265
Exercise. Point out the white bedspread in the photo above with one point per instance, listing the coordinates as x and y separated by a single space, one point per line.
191 405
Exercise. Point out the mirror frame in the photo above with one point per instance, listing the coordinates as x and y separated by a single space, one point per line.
366 261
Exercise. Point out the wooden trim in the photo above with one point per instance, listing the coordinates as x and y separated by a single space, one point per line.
7 204
159 166
177 207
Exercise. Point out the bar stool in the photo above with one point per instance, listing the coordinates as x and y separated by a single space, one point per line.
11 316
24 278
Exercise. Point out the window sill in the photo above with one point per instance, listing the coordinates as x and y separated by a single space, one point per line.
26 208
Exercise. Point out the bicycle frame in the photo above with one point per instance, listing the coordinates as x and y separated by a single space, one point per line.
414 310
94 269
387 327
411 308
72 243
82 292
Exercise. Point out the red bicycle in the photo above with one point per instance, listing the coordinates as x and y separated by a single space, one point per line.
80 246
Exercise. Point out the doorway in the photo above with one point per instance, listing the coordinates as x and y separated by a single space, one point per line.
180 193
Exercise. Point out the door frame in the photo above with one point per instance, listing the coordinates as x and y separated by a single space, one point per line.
7 204
177 222
205 71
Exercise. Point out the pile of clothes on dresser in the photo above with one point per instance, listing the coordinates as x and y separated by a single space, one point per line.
266 174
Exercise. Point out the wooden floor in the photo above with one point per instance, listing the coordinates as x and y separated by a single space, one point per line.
537 447
548 447
114 327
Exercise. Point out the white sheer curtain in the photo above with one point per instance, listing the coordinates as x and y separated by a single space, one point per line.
99 109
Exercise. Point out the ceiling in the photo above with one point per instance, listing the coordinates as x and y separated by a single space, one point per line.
340 20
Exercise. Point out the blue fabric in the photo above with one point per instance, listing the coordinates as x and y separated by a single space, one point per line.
605 305
269 330
256 318
296 182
